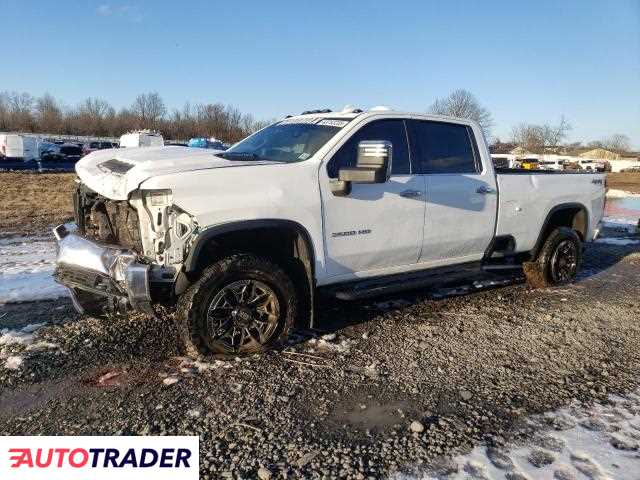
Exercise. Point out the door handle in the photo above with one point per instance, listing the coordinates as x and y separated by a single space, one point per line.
411 193
484 190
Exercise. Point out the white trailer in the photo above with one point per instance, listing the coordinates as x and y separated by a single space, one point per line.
143 138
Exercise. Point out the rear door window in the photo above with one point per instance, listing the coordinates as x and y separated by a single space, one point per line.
392 130
439 147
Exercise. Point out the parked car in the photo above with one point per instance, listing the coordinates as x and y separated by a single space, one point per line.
529 163
503 161
70 152
47 150
201 142
556 165
143 138
589 165
89 147
64 153
350 205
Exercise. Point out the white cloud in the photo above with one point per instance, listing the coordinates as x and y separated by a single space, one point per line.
105 10
131 13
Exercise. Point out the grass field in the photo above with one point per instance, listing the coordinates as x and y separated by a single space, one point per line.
34 202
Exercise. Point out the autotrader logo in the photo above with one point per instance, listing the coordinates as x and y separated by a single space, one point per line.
97 457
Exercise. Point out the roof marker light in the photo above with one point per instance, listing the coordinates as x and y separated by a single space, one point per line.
381 108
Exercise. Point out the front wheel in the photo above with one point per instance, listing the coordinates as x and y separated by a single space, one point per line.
558 261
241 304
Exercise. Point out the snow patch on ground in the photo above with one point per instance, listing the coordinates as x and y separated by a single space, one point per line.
26 268
621 224
598 442
613 193
618 241
24 338
329 343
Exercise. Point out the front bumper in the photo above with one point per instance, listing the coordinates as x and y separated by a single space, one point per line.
101 277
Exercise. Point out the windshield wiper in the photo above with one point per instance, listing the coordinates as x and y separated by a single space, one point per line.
239 156
246 156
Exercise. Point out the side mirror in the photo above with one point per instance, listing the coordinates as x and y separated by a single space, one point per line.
373 166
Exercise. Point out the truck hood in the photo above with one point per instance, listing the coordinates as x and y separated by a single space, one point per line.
117 172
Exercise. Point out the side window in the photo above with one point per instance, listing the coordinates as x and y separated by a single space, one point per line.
392 130
438 147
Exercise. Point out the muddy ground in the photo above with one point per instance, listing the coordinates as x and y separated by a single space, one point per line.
629 182
467 363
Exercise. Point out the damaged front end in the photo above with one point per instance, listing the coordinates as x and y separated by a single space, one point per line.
123 254
101 278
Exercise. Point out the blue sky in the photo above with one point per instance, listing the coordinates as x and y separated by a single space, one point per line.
526 61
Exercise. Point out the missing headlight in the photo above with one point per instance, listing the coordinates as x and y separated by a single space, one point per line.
158 198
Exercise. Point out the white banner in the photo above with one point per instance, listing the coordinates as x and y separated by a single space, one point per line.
97 458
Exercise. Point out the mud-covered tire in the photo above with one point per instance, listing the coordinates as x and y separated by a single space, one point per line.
193 316
557 262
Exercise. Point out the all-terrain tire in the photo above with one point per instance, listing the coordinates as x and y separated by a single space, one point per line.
561 252
194 305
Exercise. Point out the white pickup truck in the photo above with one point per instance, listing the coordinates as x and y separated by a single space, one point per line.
351 204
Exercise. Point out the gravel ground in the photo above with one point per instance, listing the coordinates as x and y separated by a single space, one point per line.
389 387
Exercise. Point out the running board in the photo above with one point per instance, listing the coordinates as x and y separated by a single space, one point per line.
372 287
501 268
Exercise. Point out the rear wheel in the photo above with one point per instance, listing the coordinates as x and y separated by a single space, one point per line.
558 261
242 304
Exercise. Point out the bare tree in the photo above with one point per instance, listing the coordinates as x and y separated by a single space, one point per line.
94 116
5 120
538 138
149 108
48 114
617 142
463 104
554 135
20 111
529 137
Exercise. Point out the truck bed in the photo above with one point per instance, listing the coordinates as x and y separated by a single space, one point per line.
527 197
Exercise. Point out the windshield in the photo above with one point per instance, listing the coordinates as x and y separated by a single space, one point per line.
286 141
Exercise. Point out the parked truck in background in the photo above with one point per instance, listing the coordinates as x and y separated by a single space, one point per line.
349 204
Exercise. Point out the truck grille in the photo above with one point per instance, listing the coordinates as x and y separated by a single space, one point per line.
108 221
86 280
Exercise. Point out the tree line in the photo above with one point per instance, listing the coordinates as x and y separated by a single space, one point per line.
534 138
23 112
96 117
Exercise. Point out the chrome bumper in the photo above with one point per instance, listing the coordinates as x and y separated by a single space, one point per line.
91 270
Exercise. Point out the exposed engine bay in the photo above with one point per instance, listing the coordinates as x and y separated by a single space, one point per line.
148 223
108 221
